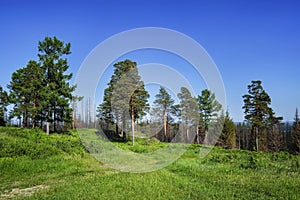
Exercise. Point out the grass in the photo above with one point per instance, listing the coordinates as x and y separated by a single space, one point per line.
35 166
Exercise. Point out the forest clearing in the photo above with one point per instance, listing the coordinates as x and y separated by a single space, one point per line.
36 166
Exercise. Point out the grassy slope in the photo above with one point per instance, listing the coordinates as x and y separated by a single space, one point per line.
60 168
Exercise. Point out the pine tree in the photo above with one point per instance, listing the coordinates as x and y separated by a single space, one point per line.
209 109
104 112
295 143
25 87
188 115
57 92
258 113
125 92
228 136
274 135
3 104
164 103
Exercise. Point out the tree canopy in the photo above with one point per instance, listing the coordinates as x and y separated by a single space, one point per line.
41 91
164 103
259 114
125 94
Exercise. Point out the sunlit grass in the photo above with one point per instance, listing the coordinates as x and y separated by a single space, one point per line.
67 172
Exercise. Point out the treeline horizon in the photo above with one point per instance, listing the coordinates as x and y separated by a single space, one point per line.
42 97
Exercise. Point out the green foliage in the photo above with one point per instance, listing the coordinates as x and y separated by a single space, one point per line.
295 143
125 98
209 107
26 93
228 135
57 91
259 114
188 115
210 124
256 104
163 106
40 91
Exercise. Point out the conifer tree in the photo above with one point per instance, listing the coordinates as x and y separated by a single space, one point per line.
188 114
296 135
258 113
40 91
209 109
57 92
228 136
25 93
124 96
164 103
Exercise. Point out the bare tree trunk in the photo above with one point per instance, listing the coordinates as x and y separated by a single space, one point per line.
187 132
73 114
132 121
205 136
187 135
239 140
47 128
165 123
256 138
117 127
132 125
23 121
123 126
34 117
197 135
54 121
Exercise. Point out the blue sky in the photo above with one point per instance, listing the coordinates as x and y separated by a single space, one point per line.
247 40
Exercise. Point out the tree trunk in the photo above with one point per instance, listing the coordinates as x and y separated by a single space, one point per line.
23 121
47 128
117 127
132 121
205 141
187 132
197 135
165 123
73 115
20 122
123 127
54 121
132 125
256 138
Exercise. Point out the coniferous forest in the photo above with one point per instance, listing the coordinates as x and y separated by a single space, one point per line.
43 155
41 95
135 100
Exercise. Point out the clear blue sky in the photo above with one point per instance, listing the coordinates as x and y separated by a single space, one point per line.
247 40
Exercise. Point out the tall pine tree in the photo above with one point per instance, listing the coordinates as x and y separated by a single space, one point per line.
295 139
188 115
259 114
125 94
209 109
57 91
164 103
25 93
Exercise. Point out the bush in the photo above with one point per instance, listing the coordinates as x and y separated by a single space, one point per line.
35 144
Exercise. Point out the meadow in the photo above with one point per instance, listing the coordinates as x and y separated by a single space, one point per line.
36 166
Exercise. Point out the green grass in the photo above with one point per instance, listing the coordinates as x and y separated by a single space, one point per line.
35 166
